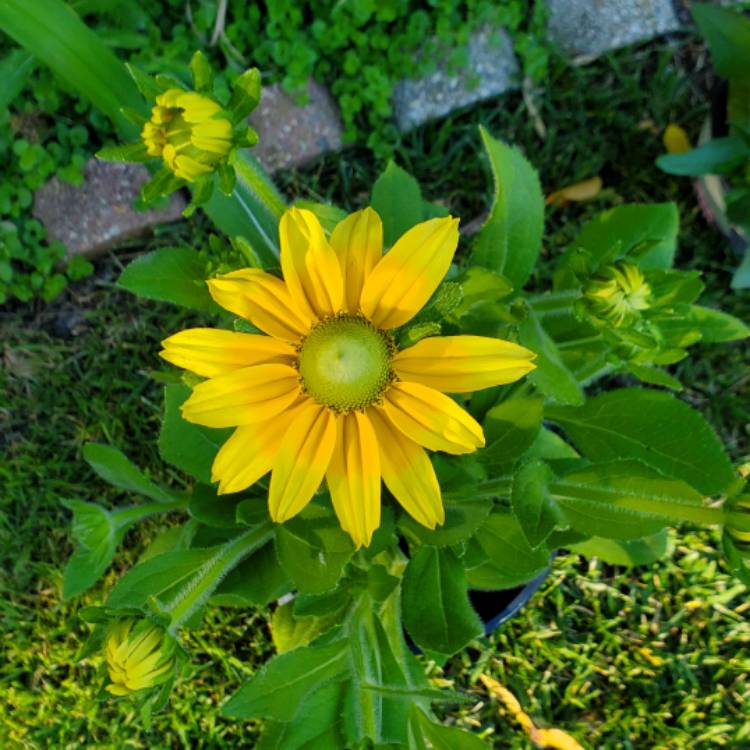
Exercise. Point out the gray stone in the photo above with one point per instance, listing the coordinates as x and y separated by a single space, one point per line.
491 70
99 215
292 135
590 27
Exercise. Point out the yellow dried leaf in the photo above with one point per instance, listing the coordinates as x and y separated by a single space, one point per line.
580 191
675 139
553 739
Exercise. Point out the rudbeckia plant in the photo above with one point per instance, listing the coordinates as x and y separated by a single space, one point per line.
376 421
380 424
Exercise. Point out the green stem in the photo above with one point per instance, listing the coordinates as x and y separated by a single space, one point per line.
554 303
134 513
204 582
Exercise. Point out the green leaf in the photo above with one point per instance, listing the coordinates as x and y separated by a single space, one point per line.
649 228
653 427
95 531
621 499
741 276
510 428
719 156
200 193
328 215
481 285
282 684
728 36
253 211
114 467
398 201
255 582
505 559
190 447
550 446
290 631
426 735
54 34
212 509
551 376
171 274
623 551
145 83
716 326
15 69
532 505
462 519
245 94
130 152
437 612
511 238
654 376
313 549
318 726
158 577
227 179
203 76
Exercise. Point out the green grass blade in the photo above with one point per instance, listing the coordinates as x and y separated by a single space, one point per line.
54 34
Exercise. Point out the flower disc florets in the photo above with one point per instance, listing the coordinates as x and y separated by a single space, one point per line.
185 131
345 363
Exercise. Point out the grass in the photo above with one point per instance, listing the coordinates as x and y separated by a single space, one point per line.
655 658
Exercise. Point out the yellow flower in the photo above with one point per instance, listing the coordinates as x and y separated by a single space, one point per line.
136 657
618 294
185 131
326 393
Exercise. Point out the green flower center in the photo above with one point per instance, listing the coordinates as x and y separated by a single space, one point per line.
345 363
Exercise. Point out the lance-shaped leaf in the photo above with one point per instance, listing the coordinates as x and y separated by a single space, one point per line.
171 274
190 447
653 427
511 238
532 504
437 612
282 684
114 467
398 201
428 735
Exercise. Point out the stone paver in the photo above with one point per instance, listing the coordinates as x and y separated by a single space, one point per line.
492 66
292 135
590 27
98 215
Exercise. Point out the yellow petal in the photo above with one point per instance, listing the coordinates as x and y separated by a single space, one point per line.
406 276
169 98
354 477
407 472
262 299
585 190
676 140
118 690
432 419
358 244
462 364
302 461
310 267
187 168
249 453
196 107
210 351
246 396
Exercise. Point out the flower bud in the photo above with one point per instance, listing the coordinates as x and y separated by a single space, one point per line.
618 294
137 656
187 131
